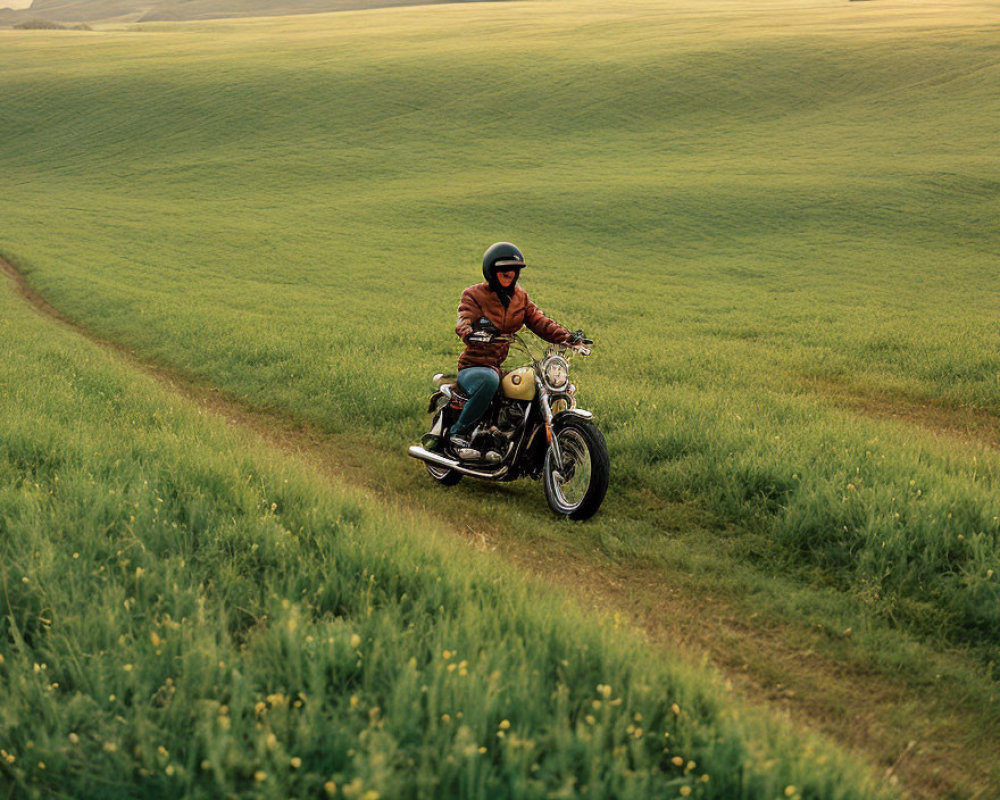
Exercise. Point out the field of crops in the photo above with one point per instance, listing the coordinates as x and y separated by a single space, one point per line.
779 223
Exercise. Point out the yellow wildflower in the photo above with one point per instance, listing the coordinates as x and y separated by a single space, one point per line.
355 641
504 725
330 787
296 762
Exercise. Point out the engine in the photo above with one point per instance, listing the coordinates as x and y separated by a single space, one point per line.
509 418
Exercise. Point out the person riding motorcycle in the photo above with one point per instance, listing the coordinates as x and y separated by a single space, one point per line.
487 310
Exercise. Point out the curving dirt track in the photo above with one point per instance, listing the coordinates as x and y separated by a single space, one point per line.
769 663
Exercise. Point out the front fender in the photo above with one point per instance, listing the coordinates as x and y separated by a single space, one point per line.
572 412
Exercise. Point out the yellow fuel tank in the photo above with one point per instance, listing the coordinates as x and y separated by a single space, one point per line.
519 384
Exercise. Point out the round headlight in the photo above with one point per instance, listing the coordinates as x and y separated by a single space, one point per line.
556 372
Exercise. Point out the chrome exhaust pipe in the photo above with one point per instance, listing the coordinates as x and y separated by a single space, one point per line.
450 463
434 458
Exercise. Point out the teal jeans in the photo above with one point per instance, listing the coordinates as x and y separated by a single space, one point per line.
480 383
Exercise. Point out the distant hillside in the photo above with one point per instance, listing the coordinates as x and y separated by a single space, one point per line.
153 10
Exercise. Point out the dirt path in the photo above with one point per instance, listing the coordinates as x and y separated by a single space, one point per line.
965 424
776 665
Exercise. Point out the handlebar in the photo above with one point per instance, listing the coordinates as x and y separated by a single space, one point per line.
512 338
579 345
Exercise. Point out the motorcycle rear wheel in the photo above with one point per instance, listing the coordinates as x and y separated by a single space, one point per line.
443 475
578 489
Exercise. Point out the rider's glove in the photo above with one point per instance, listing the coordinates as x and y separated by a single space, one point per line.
577 337
484 332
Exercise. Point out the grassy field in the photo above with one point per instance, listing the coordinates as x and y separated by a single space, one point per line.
127 11
185 612
770 218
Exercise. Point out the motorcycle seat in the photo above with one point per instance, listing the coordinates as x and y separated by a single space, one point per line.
452 391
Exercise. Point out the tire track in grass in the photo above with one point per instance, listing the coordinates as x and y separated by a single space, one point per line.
969 425
782 667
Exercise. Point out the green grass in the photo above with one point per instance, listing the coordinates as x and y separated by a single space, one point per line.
740 205
756 212
186 613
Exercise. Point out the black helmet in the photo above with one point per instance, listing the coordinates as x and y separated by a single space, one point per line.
502 255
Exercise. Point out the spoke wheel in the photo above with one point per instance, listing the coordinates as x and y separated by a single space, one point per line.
577 487
443 475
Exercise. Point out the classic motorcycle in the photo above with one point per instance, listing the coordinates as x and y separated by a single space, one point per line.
533 428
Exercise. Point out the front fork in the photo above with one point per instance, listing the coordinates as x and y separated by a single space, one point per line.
550 435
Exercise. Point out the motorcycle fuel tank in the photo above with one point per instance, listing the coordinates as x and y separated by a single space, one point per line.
519 384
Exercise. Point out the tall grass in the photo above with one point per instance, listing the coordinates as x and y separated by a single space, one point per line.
186 613
743 205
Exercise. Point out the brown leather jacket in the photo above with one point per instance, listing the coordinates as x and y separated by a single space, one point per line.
480 301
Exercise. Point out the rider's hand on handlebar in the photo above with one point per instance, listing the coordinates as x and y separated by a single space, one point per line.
484 332
577 337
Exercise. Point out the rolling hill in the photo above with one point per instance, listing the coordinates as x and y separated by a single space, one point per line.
88 11
776 220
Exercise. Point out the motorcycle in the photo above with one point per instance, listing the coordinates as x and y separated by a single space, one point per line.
533 428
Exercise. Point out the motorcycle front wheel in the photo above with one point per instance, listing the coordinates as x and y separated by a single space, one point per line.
578 488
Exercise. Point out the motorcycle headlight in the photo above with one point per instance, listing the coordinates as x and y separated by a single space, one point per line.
555 370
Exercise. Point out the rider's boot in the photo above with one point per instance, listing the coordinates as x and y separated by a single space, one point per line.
462 445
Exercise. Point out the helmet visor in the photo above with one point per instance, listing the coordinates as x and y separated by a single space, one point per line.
503 264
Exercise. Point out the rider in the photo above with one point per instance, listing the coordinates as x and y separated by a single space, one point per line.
498 306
